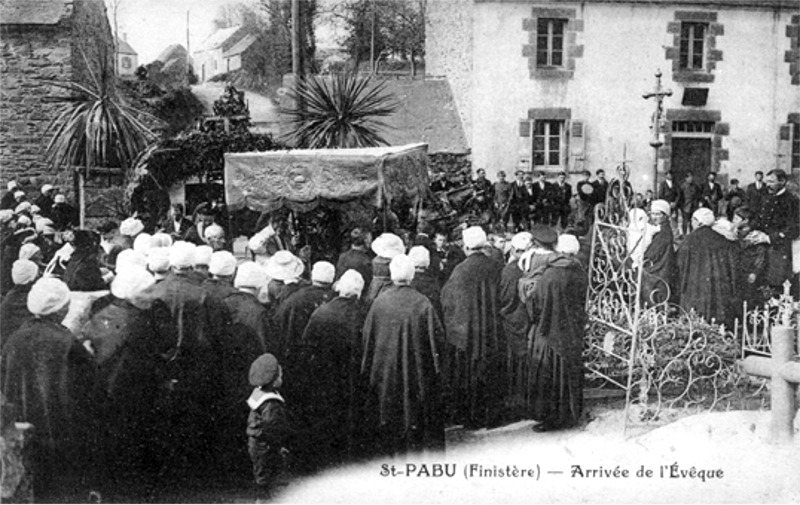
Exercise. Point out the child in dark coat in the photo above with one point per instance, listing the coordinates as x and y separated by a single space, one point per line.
267 425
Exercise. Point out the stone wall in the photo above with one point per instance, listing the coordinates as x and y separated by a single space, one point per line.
449 50
34 56
452 164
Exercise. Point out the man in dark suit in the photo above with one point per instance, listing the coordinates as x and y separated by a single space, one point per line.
203 218
756 193
562 193
518 203
176 224
712 193
542 196
780 220
689 202
600 186
670 193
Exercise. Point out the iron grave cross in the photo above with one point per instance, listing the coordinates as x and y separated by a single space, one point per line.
658 93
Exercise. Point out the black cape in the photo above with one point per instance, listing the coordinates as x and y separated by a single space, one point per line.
560 317
357 260
427 283
14 310
660 273
476 347
516 325
291 318
381 279
327 392
708 266
402 338
48 376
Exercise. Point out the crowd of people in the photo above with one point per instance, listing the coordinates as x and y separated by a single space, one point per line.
196 362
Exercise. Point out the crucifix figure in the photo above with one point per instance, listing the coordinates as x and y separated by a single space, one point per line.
658 93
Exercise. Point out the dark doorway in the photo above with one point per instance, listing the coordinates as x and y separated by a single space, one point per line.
690 156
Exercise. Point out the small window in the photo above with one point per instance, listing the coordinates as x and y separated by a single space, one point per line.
126 62
692 51
548 143
550 42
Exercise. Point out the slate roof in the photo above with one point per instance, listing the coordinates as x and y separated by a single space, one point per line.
34 12
427 114
219 38
125 48
240 46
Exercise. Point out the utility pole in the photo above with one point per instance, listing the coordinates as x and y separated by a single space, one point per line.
658 93
372 43
188 48
297 69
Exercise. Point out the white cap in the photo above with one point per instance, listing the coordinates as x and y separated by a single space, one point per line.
214 230
420 256
24 272
660 206
401 269
22 207
60 199
160 240
35 209
47 296
474 237
284 266
181 254
19 194
158 260
351 283
726 228
222 263
129 258
11 185
568 244
6 215
250 275
141 243
28 251
704 216
131 227
522 241
323 272
46 188
202 255
130 283
388 245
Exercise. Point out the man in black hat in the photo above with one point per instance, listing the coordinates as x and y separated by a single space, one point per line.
518 202
756 193
203 218
670 193
542 200
780 220
357 257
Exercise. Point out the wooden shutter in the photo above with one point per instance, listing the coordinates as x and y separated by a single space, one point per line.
577 145
525 145
784 158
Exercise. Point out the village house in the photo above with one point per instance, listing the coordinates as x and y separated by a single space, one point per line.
127 59
215 55
44 42
558 85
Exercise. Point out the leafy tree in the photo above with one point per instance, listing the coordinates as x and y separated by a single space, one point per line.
380 28
341 111
94 128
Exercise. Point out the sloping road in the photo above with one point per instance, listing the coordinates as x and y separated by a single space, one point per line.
263 112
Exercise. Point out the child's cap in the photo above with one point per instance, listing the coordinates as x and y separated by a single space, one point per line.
264 370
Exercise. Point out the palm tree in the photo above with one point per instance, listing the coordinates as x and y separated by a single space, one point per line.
338 112
94 129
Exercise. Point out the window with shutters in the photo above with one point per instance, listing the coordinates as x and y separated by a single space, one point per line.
550 42
548 143
692 48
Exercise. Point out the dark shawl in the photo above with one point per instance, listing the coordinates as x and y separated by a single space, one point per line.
660 273
428 284
83 272
381 279
14 310
357 260
557 367
708 266
476 347
48 376
291 316
516 324
402 336
323 381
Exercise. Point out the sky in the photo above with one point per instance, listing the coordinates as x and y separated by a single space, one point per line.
152 25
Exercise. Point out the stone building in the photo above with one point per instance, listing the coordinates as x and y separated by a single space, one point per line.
210 60
44 41
127 59
557 85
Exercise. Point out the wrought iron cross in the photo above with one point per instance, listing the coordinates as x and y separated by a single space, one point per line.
658 93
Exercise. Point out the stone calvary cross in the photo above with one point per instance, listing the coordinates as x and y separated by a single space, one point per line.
659 94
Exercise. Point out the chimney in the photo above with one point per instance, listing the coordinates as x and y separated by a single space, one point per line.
125 36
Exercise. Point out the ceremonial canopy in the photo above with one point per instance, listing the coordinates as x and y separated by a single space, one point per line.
302 179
